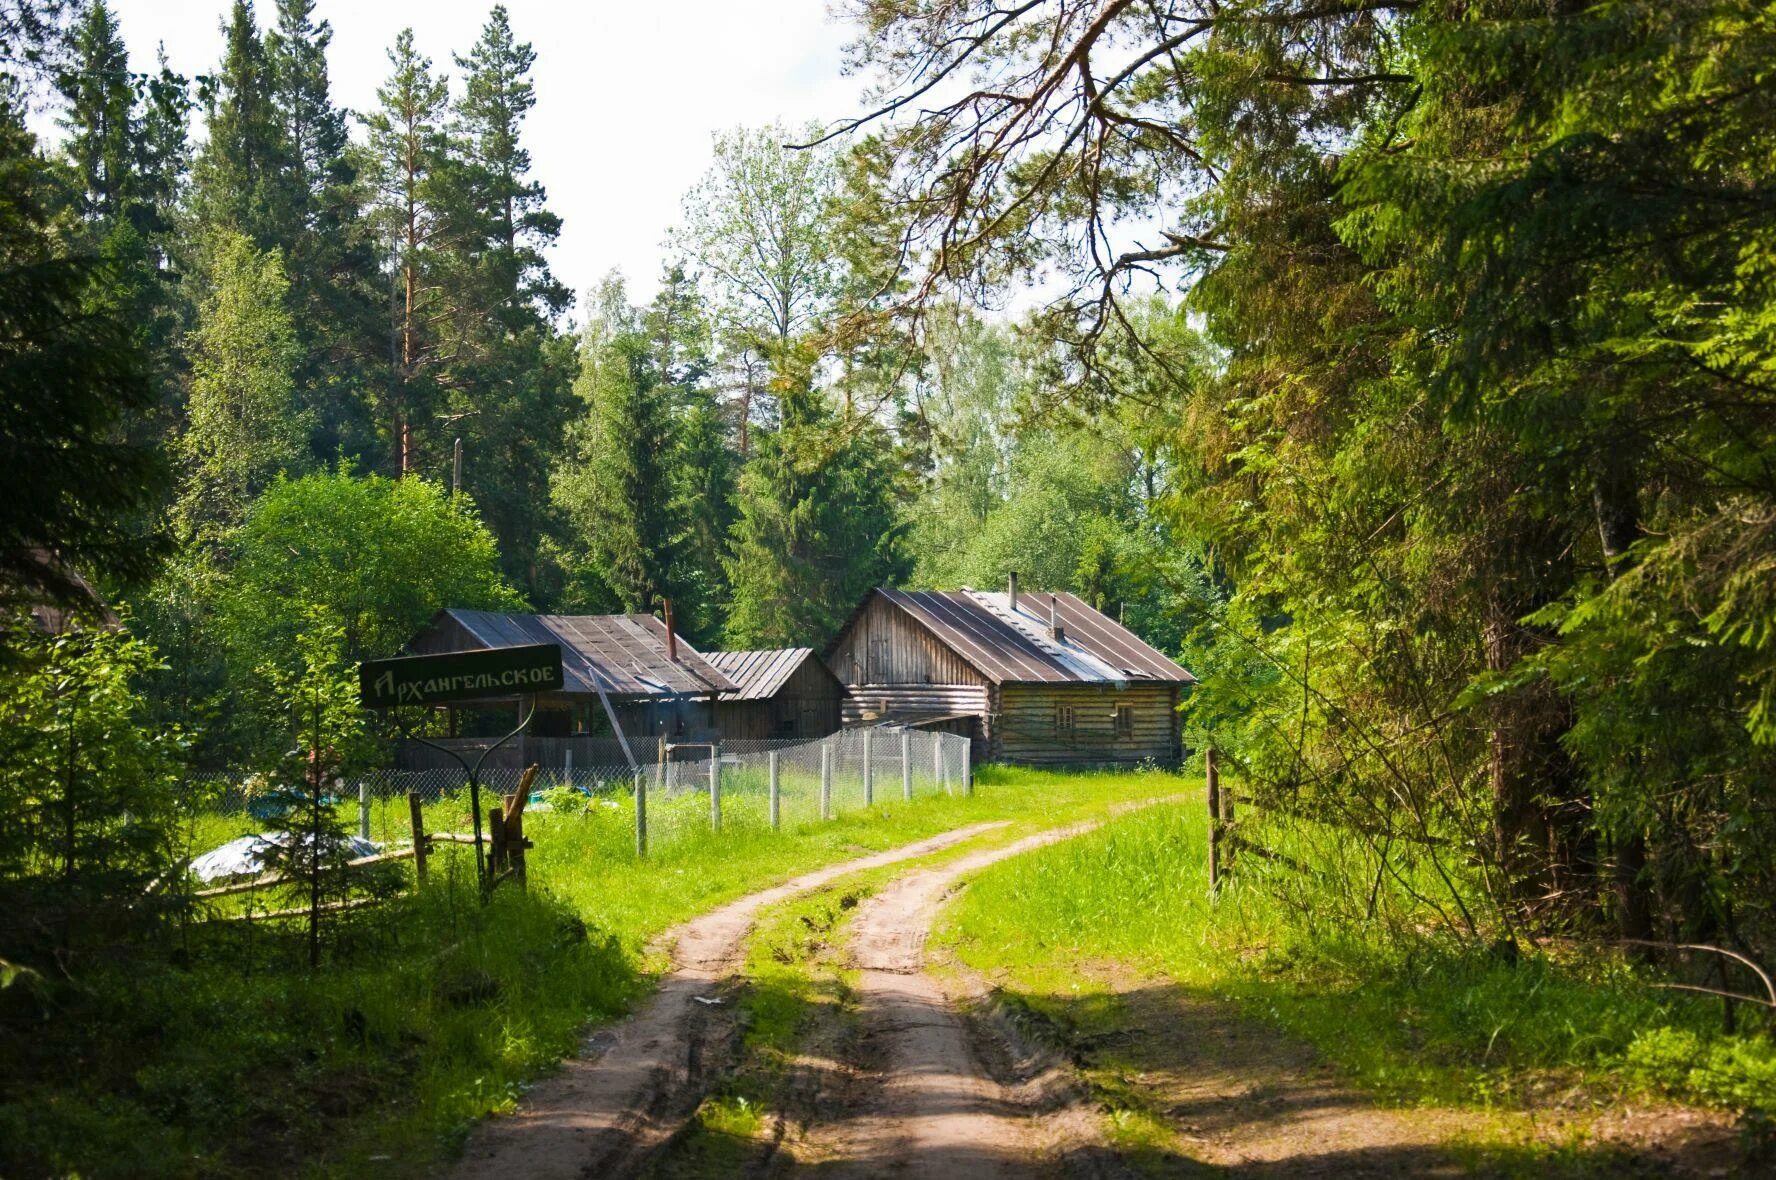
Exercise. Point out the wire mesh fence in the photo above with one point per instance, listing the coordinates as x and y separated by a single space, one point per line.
685 787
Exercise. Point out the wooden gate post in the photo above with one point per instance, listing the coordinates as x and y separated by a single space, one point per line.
422 846
1213 775
776 798
938 778
906 765
715 788
825 780
967 768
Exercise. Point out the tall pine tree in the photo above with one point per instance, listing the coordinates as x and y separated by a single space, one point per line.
329 246
406 152
507 374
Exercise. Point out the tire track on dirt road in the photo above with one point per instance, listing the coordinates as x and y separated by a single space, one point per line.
924 1104
632 1083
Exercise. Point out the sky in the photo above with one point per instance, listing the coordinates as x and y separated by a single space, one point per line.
628 94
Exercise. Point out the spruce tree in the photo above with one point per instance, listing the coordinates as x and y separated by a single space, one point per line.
104 135
329 247
616 488
816 523
243 177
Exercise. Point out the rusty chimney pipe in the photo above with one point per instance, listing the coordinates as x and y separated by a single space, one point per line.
1011 591
1055 630
671 634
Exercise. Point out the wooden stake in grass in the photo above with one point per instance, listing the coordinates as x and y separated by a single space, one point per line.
421 846
776 799
869 771
906 766
715 788
825 780
1213 775
641 814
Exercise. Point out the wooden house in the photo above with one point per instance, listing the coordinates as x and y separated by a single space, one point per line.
1036 678
786 693
656 684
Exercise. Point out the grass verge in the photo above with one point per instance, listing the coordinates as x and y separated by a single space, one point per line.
221 1054
1416 1016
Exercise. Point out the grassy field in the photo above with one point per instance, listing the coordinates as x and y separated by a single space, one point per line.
1409 1010
228 1057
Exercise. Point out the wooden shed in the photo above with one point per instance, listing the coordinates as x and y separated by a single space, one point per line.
657 684
1036 678
783 693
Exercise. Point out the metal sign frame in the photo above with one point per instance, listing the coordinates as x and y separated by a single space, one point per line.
458 676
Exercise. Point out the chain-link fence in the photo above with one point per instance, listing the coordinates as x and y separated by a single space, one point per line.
687 786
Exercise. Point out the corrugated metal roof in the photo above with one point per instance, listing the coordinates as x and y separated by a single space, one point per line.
1010 646
759 674
627 651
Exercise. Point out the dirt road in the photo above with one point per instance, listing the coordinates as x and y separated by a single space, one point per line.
631 1085
925 1075
924 1103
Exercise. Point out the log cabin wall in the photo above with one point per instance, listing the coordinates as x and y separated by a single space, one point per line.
808 705
886 646
1078 724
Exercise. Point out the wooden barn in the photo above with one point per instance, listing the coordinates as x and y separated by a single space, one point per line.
657 684
1036 678
785 693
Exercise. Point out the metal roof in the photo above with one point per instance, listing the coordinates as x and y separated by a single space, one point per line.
759 674
628 652
1009 646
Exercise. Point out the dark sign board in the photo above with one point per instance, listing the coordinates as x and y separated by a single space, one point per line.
460 676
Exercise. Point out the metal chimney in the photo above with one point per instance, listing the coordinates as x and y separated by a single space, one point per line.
1055 630
671 634
1011 591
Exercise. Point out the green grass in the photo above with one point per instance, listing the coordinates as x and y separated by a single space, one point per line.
1411 1011
222 1055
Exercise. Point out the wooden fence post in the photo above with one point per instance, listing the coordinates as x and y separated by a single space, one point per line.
906 765
496 838
1212 774
869 770
364 808
967 768
421 845
938 778
512 841
776 798
825 780
641 814
715 789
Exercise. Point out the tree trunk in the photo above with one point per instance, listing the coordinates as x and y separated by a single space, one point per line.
1537 824
1615 498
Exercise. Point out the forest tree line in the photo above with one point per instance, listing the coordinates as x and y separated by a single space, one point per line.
366 394
1409 374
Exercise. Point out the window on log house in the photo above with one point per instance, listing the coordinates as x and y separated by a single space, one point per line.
1064 718
1125 721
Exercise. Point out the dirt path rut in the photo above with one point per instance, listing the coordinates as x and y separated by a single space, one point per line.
924 1103
631 1084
